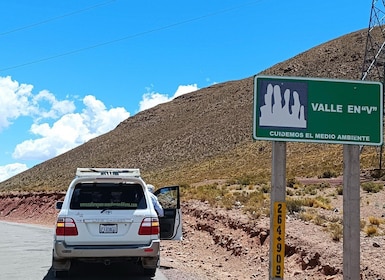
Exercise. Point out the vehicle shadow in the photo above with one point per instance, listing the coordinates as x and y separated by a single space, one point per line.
114 271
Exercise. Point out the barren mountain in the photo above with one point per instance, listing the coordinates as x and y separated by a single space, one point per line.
206 136
169 141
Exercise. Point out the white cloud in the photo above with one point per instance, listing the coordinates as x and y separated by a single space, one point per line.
44 99
10 170
98 119
151 99
14 101
70 131
17 100
185 89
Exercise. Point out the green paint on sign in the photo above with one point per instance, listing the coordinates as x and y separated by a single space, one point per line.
318 110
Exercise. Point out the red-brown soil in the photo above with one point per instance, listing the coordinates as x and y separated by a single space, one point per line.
227 244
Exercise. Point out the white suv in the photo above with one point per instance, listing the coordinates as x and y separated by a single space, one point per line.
107 216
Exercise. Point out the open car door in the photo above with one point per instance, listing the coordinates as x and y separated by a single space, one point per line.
171 223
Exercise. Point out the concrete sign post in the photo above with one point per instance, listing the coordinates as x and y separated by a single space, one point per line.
351 213
320 111
277 210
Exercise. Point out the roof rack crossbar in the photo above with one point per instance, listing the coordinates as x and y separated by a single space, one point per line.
122 172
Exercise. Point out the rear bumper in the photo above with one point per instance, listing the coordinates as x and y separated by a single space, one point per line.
65 251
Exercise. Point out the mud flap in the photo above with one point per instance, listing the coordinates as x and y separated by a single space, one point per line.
61 265
150 262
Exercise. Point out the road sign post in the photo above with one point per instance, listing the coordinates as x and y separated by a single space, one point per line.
278 210
351 213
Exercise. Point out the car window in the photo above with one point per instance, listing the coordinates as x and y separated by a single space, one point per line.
168 198
108 196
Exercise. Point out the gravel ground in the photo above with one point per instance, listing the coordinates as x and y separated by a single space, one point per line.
227 244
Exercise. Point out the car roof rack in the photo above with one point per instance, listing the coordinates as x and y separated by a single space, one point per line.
121 172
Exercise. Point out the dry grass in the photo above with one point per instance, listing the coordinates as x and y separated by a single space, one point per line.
374 221
372 187
336 231
371 230
311 203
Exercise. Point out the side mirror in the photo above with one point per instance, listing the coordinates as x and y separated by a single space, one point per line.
59 205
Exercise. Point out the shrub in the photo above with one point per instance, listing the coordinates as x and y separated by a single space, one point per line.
329 174
310 189
291 182
374 221
210 193
336 231
228 201
372 187
289 192
340 190
242 197
334 219
294 205
322 202
318 220
265 188
246 179
307 216
371 230
377 173
257 204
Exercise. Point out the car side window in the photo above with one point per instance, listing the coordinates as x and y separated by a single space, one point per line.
168 198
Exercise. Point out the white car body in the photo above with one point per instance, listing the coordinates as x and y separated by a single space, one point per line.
107 215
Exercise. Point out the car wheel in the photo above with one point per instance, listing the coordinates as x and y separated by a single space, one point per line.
149 271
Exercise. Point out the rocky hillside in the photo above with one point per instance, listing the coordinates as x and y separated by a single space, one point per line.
205 134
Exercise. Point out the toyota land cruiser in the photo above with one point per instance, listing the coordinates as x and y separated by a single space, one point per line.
107 216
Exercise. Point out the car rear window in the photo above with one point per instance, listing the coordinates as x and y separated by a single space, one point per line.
108 196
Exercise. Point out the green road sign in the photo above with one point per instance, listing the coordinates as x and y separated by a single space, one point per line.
317 110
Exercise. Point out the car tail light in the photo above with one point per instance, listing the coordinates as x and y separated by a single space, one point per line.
149 226
66 227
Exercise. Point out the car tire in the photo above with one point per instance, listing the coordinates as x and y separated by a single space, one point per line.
149 271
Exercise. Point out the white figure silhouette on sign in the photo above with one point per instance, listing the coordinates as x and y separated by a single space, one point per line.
274 113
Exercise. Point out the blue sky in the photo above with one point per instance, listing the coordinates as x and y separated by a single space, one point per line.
72 70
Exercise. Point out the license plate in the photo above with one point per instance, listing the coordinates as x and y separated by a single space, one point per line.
108 228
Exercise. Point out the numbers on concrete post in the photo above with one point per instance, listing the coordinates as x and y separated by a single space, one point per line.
278 235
